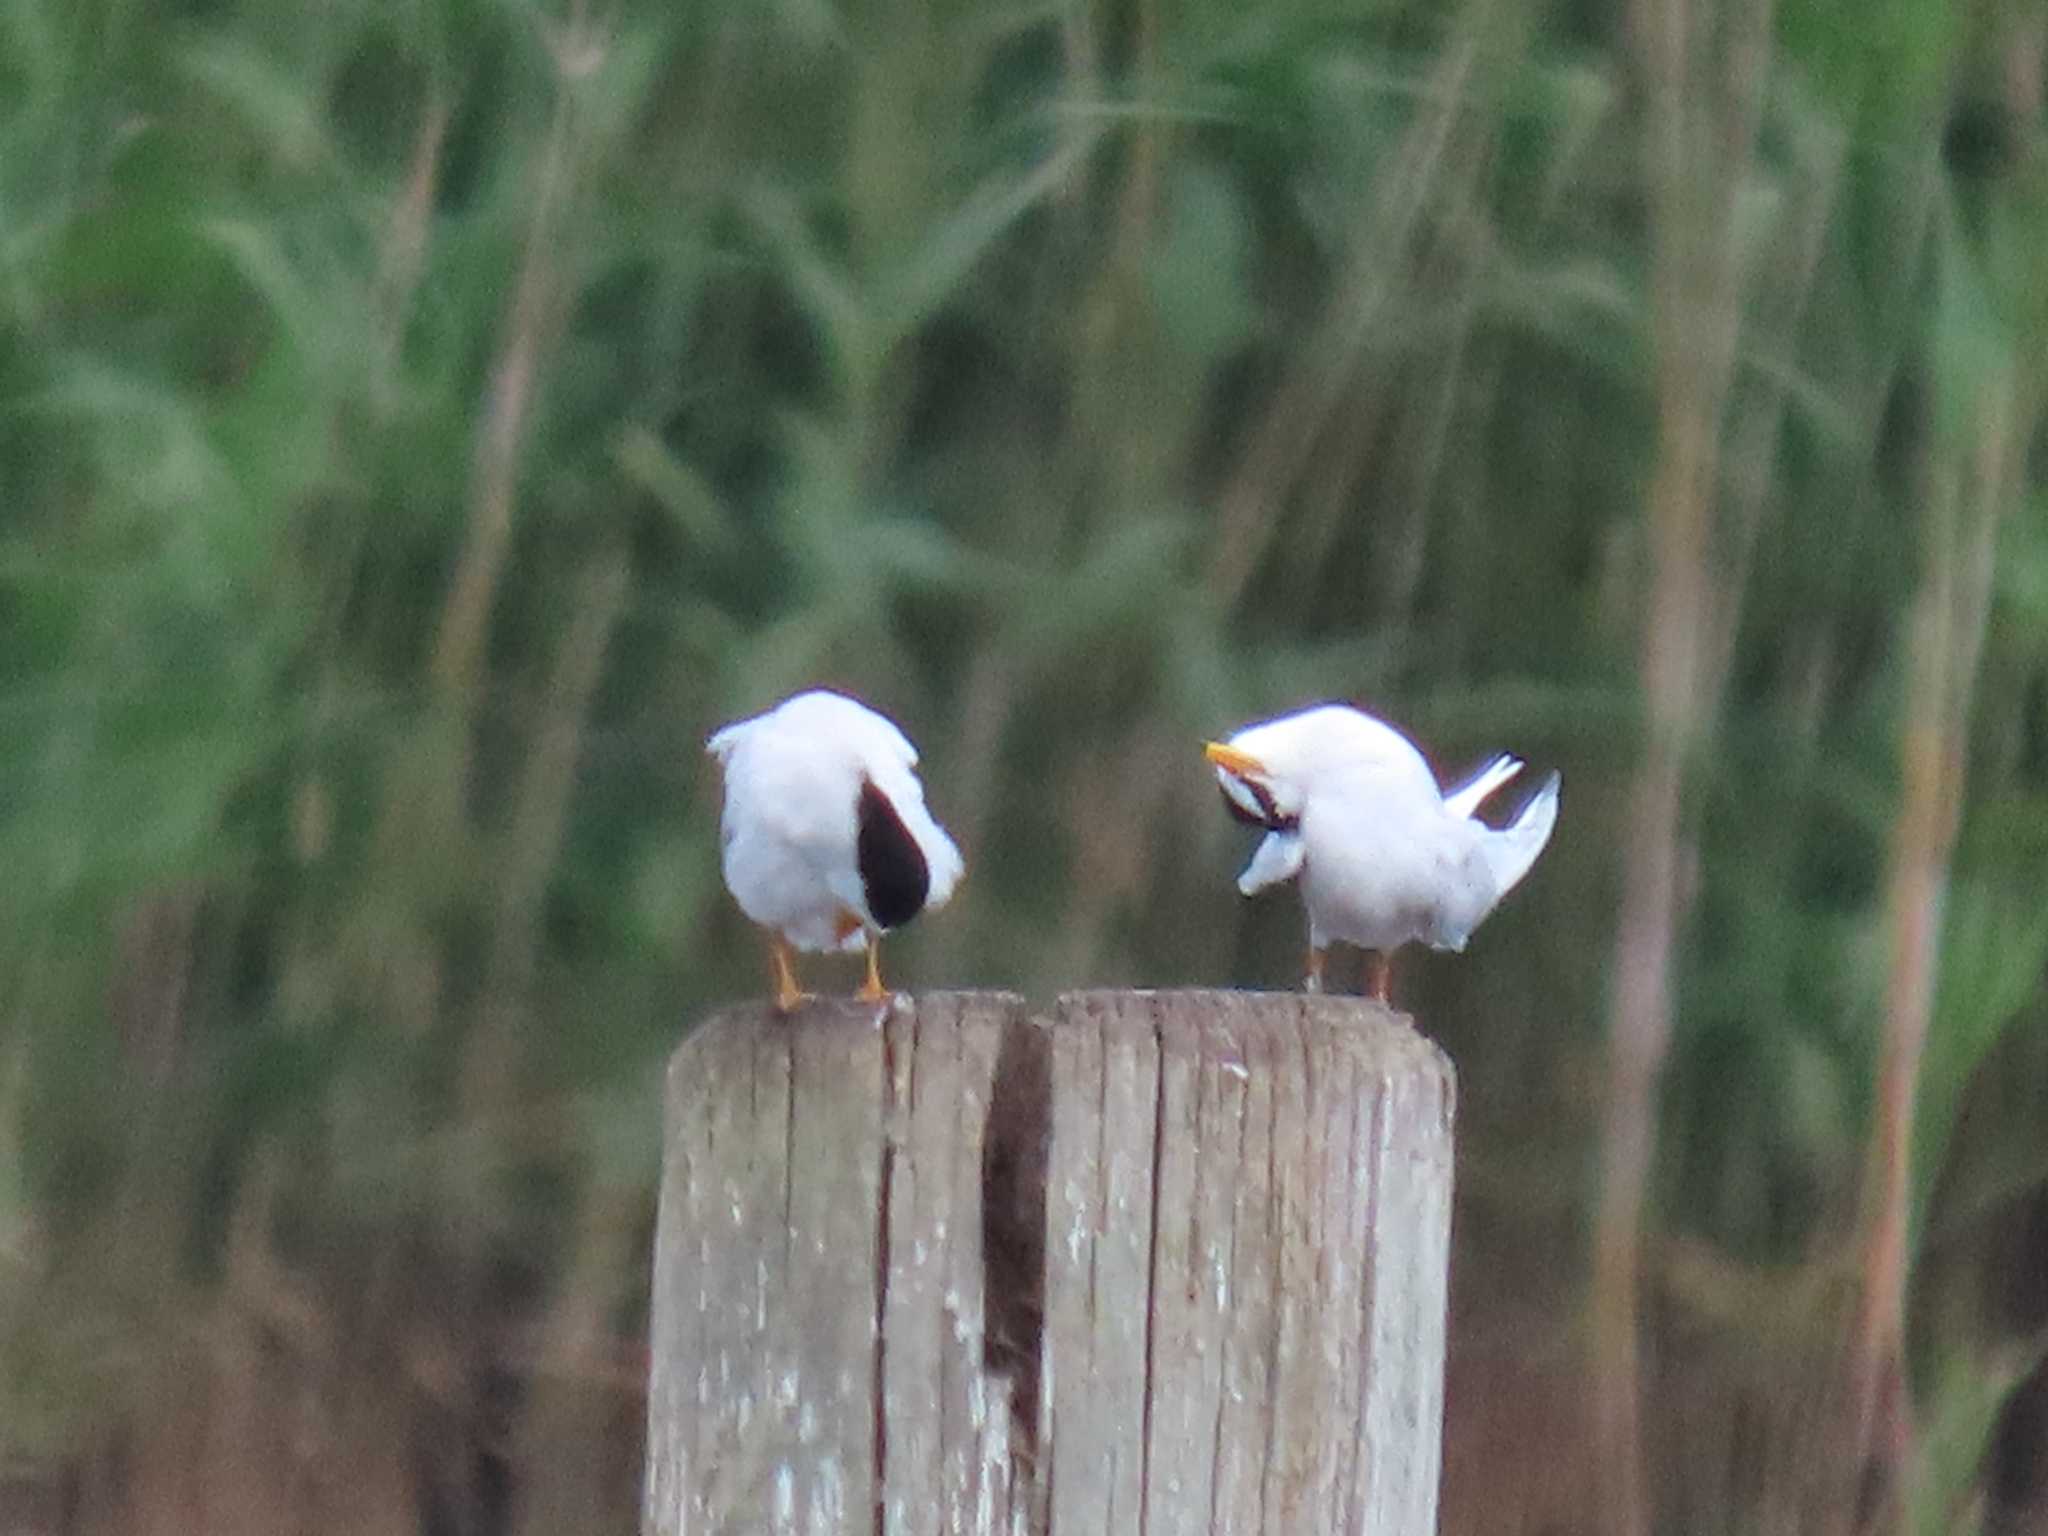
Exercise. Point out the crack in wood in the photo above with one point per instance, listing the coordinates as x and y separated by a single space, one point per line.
885 1190
1014 1148
1159 1062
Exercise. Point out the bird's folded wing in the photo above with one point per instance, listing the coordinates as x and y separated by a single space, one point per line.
1278 858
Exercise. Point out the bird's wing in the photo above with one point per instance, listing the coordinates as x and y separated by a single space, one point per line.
1277 858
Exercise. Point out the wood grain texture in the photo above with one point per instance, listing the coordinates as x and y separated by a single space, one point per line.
1152 1263
817 1338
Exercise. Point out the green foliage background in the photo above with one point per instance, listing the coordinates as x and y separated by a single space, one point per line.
422 421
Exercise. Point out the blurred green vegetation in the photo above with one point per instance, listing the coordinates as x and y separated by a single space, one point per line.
421 421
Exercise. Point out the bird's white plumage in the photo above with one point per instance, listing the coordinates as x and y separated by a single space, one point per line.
1384 856
1277 859
1474 792
790 830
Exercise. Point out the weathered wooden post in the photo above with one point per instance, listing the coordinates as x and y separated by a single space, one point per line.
1152 1263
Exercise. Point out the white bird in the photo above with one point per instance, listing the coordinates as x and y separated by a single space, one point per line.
825 839
1384 856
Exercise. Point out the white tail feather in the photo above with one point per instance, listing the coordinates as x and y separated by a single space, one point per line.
1511 850
1470 795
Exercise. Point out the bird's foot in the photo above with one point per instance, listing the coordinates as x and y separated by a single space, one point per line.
872 990
788 995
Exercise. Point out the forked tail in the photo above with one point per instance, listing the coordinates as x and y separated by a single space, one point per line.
1511 850
1469 796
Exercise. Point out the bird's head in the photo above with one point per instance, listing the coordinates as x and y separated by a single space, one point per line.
1268 771
1256 789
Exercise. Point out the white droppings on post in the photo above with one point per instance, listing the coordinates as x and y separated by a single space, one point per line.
828 1499
785 1496
977 1404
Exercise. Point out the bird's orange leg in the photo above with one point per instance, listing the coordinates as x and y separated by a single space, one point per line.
1379 976
1314 981
787 993
872 990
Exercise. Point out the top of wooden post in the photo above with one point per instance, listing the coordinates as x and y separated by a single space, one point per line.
1369 1031
1162 1261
